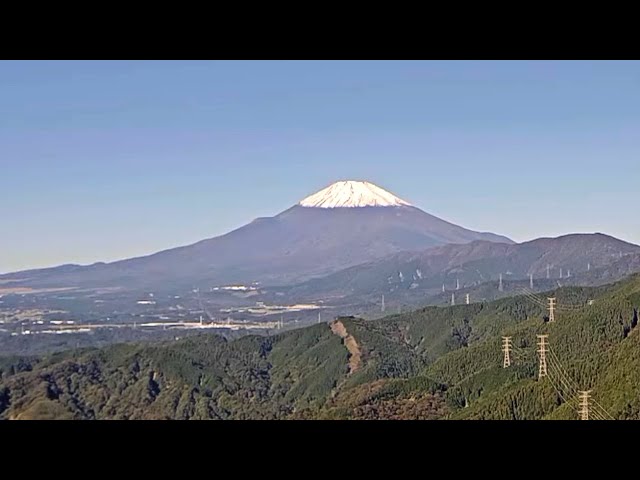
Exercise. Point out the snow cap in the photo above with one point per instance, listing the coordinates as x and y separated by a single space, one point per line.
350 194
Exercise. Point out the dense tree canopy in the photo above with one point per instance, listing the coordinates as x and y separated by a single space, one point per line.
433 363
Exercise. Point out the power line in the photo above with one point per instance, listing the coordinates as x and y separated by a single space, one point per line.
601 411
539 301
568 402
520 353
565 377
574 393
533 298
605 411
572 397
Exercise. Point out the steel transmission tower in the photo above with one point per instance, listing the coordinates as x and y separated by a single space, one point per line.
552 309
542 351
584 404
506 349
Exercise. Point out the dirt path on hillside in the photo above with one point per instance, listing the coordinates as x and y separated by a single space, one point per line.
355 357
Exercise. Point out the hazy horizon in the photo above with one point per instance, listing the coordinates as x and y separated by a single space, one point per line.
109 160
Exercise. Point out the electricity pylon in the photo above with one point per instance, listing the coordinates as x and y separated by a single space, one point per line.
542 351
584 404
506 349
552 309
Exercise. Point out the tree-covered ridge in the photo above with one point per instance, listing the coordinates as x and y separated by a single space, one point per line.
586 346
200 377
433 363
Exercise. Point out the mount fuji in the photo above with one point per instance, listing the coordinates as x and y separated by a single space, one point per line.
344 224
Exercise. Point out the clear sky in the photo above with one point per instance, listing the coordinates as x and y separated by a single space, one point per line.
106 160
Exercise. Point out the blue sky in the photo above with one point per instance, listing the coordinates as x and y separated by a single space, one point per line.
106 160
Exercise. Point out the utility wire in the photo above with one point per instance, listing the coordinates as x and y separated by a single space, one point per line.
597 408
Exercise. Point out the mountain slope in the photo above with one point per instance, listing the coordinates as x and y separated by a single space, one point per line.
351 223
588 258
431 363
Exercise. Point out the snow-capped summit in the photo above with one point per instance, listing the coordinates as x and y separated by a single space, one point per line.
310 239
350 194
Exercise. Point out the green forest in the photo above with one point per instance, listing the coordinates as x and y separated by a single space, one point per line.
432 363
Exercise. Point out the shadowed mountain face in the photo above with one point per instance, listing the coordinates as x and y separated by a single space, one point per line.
299 243
593 257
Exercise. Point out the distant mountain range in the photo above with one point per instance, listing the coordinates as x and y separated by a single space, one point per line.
343 225
579 258
349 244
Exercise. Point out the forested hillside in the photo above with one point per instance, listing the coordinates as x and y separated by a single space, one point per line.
433 363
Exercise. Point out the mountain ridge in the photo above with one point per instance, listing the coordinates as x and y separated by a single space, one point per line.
296 244
480 261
